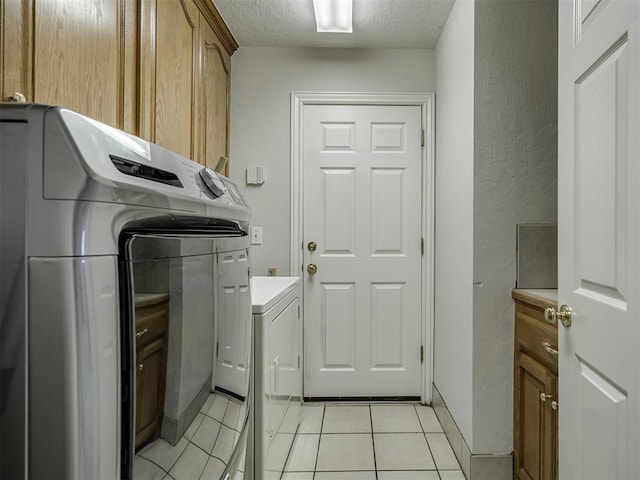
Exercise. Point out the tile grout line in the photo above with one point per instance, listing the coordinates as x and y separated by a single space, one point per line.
286 460
373 444
428 446
315 465
152 462
424 432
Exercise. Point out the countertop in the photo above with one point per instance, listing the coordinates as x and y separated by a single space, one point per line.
267 291
542 297
146 299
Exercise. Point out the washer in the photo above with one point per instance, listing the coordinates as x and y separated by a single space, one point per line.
96 226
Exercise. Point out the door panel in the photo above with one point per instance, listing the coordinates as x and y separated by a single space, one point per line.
388 211
77 57
338 325
151 365
388 343
233 302
537 423
338 211
601 410
598 234
176 59
362 206
214 99
601 98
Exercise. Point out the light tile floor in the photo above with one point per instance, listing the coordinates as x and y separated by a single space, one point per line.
203 451
337 441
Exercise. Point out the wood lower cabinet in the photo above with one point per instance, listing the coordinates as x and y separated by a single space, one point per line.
535 402
159 69
152 319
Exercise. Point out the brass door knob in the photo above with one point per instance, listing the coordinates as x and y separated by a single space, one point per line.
550 315
564 314
312 268
312 246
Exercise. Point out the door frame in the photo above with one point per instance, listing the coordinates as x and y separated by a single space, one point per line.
426 102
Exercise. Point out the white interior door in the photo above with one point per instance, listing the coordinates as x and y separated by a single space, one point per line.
362 208
599 214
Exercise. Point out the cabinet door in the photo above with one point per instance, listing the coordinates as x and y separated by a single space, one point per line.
150 379
16 19
535 388
79 55
69 53
168 68
214 100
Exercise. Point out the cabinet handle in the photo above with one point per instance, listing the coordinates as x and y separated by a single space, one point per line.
276 373
141 333
555 405
141 366
544 396
18 97
547 346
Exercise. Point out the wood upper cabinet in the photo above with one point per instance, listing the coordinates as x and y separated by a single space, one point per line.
159 69
175 62
535 391
214 100
68 53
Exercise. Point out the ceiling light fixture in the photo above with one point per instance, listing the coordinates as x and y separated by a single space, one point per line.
333 16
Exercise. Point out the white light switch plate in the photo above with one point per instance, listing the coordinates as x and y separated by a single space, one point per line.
256 235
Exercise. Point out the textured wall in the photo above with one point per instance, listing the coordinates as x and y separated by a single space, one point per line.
262 82
454 216
514 182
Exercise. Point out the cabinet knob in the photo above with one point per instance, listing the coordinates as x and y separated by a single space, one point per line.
18 97
141 366
312 268
555 405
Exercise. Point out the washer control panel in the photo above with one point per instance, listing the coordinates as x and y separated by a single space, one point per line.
213 182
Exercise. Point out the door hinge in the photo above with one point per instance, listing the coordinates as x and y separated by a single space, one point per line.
422 138
298 361
421 354
422 246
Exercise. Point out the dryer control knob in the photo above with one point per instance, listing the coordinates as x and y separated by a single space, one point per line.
213 182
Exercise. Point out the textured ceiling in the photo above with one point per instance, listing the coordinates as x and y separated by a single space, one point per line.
376 23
